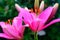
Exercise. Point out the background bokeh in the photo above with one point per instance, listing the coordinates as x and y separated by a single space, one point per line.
8 11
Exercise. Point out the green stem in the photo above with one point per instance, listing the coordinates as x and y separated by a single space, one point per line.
35 36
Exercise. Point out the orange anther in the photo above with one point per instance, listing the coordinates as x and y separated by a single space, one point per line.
8 20
35 10
39 11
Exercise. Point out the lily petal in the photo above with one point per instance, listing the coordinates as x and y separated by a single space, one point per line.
9 30
5 36
23 13
52 22
26 16
55 7
3 26
13 31
17 7
17 23
34 25
41 6
46 14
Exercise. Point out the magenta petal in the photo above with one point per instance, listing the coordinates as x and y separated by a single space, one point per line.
9 30
5 36
55 7
12 31
52 22
34 16
45 14
3 26
17 23
26 16
34 26
17 7
23 11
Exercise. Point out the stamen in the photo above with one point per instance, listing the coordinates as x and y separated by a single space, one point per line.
36 4
36 7
39 11
35 10
9 20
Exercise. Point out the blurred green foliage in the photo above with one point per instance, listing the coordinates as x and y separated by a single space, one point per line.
8 11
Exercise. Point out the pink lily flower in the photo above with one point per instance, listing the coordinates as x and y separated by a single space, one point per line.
38 22
14 31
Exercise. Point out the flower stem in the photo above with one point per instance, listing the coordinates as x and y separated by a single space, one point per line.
35 36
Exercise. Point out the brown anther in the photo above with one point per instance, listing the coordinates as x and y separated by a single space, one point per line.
39 11
8 20
35 10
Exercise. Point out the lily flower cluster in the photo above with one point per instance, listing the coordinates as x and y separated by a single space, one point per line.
34 19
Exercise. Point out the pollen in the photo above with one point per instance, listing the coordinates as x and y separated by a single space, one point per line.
8 21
